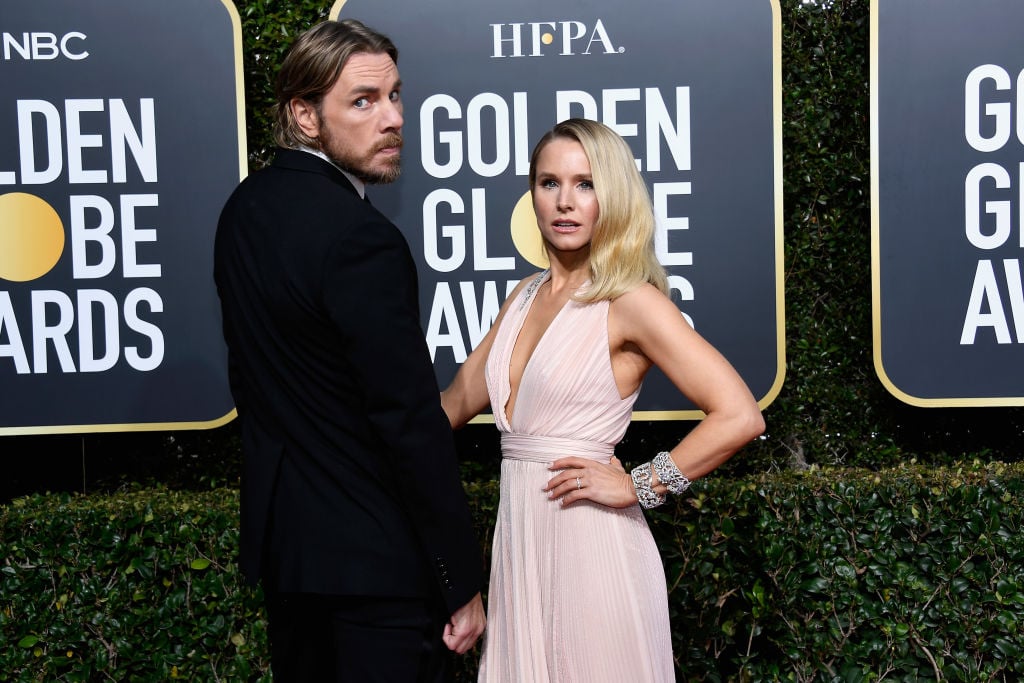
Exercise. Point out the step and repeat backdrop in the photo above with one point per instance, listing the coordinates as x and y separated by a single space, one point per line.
121 135
693 87
947 95
118 150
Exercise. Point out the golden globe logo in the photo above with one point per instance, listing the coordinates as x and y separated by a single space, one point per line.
535 39
990 192
94 143
454 143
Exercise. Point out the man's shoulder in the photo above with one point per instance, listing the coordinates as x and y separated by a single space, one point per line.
299 160
311 196
302 184
298 166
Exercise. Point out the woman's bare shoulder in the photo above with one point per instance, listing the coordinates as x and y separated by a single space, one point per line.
643 299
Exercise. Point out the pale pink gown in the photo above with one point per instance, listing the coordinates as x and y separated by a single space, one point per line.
577 593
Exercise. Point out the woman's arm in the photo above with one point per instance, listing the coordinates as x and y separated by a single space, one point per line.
466 397
647 318
646 328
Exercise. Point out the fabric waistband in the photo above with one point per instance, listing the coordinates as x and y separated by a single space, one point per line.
548 449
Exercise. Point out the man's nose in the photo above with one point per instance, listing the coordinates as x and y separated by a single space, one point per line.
392 117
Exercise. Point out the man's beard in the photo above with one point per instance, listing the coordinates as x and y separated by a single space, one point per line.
360 166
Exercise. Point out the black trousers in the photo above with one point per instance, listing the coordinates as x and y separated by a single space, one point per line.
324 638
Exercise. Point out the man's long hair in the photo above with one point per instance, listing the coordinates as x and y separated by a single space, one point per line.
311 67
622 246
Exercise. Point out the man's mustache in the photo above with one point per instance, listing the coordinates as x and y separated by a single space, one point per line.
392 140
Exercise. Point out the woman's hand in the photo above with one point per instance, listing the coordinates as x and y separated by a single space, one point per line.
583 479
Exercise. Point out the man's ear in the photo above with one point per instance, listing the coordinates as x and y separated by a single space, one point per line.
306 116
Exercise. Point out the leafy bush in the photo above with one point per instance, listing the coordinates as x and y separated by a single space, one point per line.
832 575
139 586
268 29
849 575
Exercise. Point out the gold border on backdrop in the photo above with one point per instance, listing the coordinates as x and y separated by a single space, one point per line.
876 299
243 140
780 317
139 427
243 167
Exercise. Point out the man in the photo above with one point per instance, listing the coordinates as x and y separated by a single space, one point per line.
353 514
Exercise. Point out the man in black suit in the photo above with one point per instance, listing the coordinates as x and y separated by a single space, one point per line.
353 513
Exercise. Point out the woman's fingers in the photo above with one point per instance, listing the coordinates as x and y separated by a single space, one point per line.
582 479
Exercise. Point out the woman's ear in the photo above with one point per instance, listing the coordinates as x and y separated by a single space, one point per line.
306 117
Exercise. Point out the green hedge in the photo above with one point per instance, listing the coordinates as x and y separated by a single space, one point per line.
130 587
847 575
908 574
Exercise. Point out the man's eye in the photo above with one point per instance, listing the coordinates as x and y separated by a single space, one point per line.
362 102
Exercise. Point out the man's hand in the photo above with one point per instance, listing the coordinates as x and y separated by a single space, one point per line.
465 626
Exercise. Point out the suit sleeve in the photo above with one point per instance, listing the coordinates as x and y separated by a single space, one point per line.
370 293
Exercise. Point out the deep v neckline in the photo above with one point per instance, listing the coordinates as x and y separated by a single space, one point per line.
532 296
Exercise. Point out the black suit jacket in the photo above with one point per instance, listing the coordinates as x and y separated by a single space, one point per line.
350 484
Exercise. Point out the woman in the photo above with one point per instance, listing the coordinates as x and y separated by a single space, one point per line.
577 589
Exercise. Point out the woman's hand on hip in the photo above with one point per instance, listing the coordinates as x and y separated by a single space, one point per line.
582 479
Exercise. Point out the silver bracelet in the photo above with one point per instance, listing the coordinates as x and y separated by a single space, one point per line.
669 475
643 482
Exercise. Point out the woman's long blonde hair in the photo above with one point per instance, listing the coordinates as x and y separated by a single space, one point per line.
622 247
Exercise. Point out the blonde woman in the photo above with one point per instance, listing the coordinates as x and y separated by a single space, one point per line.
577 589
